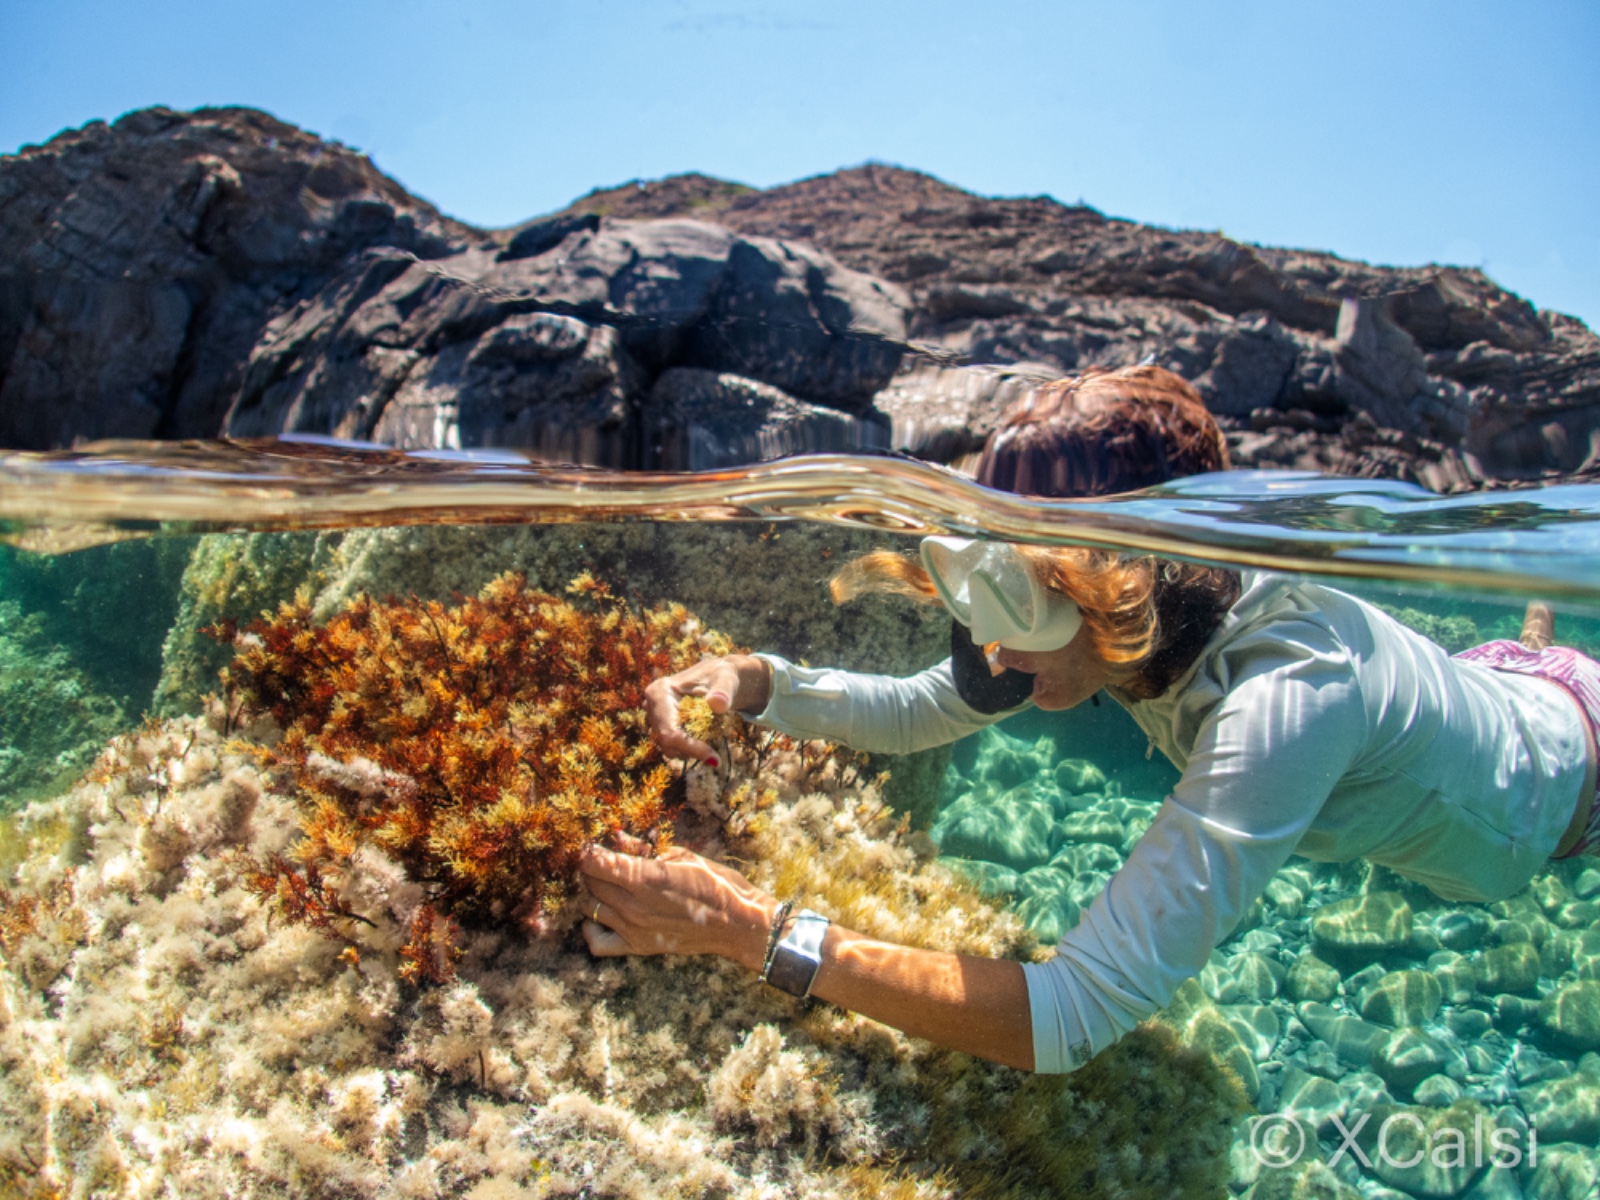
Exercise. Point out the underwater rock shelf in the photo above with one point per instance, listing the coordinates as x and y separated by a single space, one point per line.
165 1031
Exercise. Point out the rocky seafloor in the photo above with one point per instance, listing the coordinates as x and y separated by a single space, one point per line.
1348 997
161 1034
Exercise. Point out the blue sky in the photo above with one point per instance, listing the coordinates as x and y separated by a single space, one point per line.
1400 131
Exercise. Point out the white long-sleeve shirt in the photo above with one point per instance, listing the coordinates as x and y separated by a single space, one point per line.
1313 724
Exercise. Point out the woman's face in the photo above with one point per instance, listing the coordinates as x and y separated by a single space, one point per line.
1064 678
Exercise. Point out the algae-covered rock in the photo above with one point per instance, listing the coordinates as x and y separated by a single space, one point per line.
1258 977
1564 1172
1310 1099
1564 1110
992 879
108 606
1303 1181
1092 826
540 1066
1426 1152
1511 968
1586 954
1402 998
1351 1038
1211 1031
1257 1025
1046 903
1079 777
1437 1091
1408 1056
1288 900
1549 892
1372 922
1005 761
53 722
1079 858
242 578
1578 914
1013 829
1571 1015
1310 978
1468 1024
1512 1013
1456 975
1461 929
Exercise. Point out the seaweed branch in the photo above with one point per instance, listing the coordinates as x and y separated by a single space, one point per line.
481 746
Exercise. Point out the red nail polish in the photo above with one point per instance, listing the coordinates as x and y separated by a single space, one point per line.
712 761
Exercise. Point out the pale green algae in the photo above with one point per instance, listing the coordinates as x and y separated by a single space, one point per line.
53 722
80 638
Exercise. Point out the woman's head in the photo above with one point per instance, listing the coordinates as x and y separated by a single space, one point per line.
1101 433
1143 619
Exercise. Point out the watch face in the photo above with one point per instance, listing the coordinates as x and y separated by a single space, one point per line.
798 954
980 687
792 971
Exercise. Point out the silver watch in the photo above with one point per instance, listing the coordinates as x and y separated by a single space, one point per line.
798 954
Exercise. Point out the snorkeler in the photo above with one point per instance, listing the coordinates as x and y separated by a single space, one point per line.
1303 720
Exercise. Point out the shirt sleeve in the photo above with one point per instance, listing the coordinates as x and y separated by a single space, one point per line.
1262 766
888 714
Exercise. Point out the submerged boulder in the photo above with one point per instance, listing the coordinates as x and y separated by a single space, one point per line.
1367 924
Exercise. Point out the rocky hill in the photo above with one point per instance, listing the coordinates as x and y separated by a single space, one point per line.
219 272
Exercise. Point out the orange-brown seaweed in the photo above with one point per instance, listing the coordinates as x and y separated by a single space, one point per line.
481 745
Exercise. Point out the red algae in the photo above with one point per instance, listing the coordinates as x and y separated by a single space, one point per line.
481 745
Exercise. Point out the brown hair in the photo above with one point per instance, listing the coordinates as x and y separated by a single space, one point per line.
1137 609
1097 434
1114 592
1101 433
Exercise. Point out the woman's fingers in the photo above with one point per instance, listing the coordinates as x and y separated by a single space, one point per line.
612 866
628 844
716 680
603 942
615 898
661 701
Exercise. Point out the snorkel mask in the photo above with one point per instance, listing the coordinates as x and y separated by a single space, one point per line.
996 599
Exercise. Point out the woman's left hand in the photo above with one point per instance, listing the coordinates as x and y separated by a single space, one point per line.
676 903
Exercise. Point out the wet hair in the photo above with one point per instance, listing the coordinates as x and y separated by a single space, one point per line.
1098 434
1113 592
1101 433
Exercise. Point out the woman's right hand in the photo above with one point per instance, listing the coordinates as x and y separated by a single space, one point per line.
735 681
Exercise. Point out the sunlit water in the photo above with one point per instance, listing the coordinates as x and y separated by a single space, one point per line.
115 556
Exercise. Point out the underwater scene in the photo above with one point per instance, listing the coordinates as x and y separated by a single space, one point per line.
300 743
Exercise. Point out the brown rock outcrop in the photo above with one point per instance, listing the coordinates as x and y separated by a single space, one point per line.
1457 378
140 260
185 275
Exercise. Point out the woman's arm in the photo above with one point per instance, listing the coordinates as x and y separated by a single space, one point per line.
887 713
1261 768
681 903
